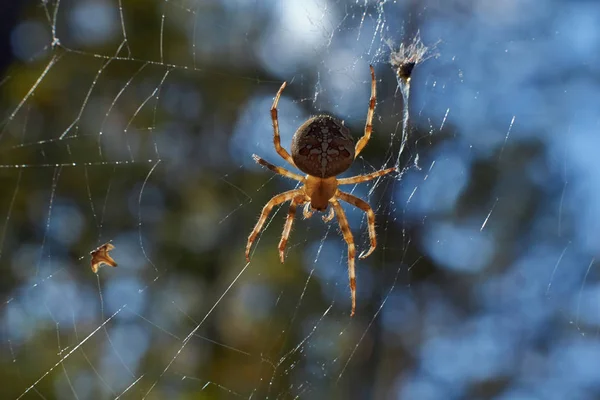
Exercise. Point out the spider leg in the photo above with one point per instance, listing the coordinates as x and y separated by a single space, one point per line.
287 228
345 227
363 205
275 200
362 142
277 170
366 177
276 139
329 216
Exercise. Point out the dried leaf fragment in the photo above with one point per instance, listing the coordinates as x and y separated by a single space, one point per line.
100 256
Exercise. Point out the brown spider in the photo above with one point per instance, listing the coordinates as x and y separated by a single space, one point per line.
322 148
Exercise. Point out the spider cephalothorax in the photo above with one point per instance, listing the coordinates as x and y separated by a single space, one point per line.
322 148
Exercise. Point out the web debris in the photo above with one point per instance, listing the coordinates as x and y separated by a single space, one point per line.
403 60
101 256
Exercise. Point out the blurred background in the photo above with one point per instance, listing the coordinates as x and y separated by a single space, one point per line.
134 121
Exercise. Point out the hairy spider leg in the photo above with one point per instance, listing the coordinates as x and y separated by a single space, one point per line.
345 227
363 205
369 123
275 200
287 227
366 177
276 169
276 139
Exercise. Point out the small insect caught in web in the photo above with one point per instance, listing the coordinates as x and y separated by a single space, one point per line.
100 256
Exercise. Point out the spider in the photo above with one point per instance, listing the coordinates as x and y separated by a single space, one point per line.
322 148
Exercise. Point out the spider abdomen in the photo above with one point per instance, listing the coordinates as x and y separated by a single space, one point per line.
323 147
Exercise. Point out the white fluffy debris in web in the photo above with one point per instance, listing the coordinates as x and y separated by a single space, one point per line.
404 59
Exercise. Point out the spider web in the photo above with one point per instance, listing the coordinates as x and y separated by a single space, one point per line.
133 123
